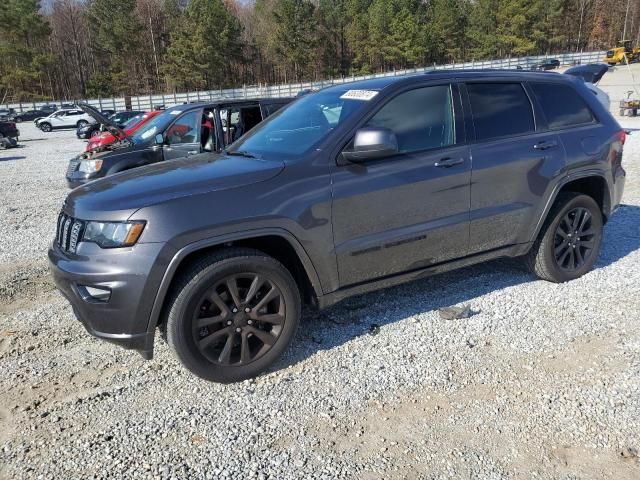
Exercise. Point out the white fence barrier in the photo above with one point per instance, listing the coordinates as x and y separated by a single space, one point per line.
147 102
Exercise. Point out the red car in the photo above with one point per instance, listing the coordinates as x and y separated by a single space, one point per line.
106 138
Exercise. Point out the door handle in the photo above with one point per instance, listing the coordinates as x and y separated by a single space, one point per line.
545 145
448 162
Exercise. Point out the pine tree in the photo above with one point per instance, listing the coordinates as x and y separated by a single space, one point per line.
204 44
23 33
117 40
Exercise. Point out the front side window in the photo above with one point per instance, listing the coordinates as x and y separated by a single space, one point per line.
500 110
562 105
422 119
185 129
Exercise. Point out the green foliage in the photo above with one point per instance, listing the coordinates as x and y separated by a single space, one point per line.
145 46
116 32
294 35
99 86
23 64
205 41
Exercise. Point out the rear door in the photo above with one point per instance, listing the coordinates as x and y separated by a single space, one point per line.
182 138
410 210
72 117
514 159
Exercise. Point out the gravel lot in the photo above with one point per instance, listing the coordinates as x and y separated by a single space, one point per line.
543 382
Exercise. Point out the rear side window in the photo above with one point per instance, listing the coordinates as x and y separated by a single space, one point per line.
500 110
562 105
422 119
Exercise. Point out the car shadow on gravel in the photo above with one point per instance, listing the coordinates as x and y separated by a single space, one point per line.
8 159
354 317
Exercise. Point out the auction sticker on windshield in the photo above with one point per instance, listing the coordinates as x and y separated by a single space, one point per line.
359 95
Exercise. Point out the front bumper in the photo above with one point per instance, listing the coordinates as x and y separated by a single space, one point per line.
124 318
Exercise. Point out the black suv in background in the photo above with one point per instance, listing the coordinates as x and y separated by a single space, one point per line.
353 188
119 119
180 131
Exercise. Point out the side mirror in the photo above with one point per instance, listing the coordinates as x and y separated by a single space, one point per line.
160 139
371 143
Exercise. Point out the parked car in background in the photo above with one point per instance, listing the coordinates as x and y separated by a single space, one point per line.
68 118
49 108
179 131
549 64
105 138
591 74
416 175
7 114
30 115
108 112
94 128
9 134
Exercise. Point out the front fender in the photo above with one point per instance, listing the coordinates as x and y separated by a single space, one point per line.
186 250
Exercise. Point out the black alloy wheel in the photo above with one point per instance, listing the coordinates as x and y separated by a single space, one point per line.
574 239
231 314
239 319
569 240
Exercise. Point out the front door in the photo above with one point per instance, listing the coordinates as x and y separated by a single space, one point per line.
182 138
410 210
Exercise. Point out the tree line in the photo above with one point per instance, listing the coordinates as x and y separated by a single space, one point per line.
66 49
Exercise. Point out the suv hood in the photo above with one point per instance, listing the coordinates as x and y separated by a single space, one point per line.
111 127
118 196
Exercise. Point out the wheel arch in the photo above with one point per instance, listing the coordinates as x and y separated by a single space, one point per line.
591 183
277 243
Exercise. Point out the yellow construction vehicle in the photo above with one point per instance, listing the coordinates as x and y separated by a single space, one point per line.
617 55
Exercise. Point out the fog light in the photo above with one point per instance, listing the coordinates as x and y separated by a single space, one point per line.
95 294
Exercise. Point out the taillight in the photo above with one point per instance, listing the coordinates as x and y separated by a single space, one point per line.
622 136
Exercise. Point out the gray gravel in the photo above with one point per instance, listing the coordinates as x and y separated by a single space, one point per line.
542 382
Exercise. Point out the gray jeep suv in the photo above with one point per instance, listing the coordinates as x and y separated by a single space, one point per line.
351 189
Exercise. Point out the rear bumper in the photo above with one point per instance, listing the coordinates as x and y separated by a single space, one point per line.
124 318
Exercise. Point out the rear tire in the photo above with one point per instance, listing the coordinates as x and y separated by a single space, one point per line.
232 314
568 244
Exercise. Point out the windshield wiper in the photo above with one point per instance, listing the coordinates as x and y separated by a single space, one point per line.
240 153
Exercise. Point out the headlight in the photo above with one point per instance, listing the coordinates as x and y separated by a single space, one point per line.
90 166
113 234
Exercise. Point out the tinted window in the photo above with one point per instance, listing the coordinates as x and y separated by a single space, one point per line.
185 129
500 109
562 105
421 119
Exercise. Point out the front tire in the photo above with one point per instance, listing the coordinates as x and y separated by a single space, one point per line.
82 123
232 314
45 127
570 239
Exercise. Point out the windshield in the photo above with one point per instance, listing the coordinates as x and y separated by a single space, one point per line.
133 120
156 125
297 128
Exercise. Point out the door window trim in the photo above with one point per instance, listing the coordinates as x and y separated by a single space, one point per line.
474 140
594 119
201 110
459 130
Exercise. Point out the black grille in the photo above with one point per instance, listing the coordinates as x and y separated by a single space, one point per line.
73 166
69 232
